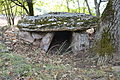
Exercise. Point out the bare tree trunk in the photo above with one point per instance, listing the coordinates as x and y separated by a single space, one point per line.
67 1
83 7
88 7
30 7
20 4
97 5
9 12
30 10
111 19
78 5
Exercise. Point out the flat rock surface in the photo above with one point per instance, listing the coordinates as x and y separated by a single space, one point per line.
59 21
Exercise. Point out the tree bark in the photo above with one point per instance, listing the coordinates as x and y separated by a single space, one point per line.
111 19
97 10
30 7
97 6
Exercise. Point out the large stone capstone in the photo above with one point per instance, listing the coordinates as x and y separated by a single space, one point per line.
53 30
57 21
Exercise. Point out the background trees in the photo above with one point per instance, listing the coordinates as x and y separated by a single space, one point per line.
7 9
97 6
12 8
22 4
31 7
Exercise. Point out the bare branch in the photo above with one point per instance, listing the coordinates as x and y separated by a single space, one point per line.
21 5
88 7
9 8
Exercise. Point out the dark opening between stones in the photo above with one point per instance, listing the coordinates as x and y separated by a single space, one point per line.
61 42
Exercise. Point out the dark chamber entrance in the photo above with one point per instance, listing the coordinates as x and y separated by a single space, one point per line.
60 42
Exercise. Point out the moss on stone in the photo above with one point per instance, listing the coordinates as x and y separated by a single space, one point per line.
67 20
90 22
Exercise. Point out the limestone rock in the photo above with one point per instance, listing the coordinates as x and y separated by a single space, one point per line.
60 21
46 40
80 42
37 35
26 36
116 68
36 42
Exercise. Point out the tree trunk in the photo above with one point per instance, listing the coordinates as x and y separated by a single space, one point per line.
111 19
30 7
67 2
97 10
78 5
88 7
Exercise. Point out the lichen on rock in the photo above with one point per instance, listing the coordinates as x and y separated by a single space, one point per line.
57 21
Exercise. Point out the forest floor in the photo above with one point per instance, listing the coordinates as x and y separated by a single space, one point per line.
22 61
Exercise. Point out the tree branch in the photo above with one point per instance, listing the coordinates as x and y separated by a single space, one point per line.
88 7
9 8
21 5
